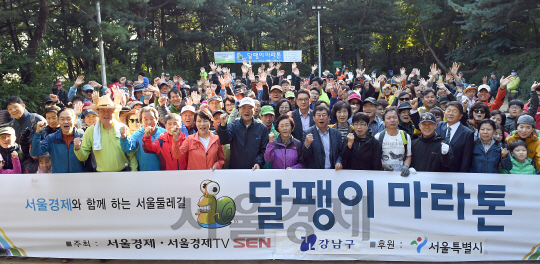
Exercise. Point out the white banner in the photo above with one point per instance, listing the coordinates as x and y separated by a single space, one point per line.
271 214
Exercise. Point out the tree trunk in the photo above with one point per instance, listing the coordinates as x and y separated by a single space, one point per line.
439 62
39 33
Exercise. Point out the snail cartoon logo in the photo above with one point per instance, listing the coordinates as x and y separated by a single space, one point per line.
214 213
7 248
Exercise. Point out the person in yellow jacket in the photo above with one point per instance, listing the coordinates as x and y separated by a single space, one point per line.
513 87
525 132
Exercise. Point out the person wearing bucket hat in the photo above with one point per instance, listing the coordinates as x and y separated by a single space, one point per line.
137 92
405 121
429 151
103 140
7 147
291 97
246 137
469 95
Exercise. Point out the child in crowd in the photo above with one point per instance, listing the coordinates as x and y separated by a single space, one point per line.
44 164
499 135
16 164
521 164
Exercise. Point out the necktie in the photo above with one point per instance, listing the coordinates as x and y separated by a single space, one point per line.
448 135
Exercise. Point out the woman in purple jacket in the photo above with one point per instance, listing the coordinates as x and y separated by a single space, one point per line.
285 152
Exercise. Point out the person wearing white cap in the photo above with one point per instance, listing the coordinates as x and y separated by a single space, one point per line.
484 94
103 140
7 147
188 120
248 138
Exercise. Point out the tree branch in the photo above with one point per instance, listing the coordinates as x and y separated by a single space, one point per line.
439 62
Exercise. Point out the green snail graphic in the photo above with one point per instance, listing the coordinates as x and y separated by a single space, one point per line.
214 213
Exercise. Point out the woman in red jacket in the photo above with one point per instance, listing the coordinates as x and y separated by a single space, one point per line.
203 149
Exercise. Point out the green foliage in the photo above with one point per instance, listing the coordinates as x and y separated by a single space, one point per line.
179 36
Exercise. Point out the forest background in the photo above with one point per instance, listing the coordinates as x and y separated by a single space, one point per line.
43 41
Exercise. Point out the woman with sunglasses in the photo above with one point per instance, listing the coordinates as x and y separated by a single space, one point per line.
479 111
132 121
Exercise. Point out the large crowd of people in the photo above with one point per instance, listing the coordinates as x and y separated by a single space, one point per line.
343 120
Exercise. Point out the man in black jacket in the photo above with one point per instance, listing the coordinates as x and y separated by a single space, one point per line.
430 153
247 137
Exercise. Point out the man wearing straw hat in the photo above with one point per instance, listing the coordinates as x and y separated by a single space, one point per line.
103 140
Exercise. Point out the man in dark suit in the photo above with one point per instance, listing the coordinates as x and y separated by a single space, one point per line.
303 116
459 137
322 144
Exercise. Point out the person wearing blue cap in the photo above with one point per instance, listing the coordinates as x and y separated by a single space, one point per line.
430 152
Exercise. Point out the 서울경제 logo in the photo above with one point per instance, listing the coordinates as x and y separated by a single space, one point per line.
421 243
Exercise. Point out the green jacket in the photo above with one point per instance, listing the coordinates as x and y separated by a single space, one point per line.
520 167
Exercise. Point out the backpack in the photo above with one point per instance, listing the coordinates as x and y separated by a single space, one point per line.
403 138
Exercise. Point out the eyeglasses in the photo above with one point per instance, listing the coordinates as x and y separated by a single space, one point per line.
136 121
321 116
405 99
302 100
479 110
284 126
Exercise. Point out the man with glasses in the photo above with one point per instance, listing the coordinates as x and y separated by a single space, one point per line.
459 137
148 116
322 144
376 125
303 115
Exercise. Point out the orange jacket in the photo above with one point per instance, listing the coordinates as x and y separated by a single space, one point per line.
198 159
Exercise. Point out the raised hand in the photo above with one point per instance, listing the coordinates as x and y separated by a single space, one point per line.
262 78
278 65
195 97
433 69
455 68
271 137
77 143
162 100
14 155
53 97
313 68
259 86
123 81
485 79
175 79
309 140
213 88
280 73
77 107
296 72
414 103
156 81
251 76
213 66
535 86
505 81
189 101
223 119
148 131
96 84
402 70
244 69
350 139
219 69
95 97
78 81
227 78
423 82
123 131
504 153
40 126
